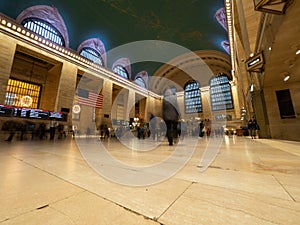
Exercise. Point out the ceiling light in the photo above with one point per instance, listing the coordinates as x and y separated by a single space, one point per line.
286 78
270 48
298 52
252 54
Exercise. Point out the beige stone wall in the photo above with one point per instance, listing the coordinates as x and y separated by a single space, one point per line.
85 121
207 113
236 102
106 106
153 106
49 93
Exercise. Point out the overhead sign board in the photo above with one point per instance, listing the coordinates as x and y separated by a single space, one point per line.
255 63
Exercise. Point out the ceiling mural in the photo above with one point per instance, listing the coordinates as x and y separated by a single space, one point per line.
193 24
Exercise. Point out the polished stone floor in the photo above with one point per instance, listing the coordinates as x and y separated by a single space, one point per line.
225 180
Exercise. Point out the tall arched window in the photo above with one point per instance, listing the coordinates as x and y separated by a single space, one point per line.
139 81
92 55
220 93
192 97
121 71
44 29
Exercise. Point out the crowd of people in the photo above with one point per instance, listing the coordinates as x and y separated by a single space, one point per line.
27 130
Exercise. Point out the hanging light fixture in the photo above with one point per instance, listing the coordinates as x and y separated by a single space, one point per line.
271 6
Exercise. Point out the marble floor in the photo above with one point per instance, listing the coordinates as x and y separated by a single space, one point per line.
226 180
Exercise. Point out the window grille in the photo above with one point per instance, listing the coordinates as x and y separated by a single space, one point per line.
44 29
92 55
220 93
121 71
139 81
22 94
192 97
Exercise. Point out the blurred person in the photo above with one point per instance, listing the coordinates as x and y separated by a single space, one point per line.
171 114
252 126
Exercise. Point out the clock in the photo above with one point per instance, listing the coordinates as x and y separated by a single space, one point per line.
76 109
26 101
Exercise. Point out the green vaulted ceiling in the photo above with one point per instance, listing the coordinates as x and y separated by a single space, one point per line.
188 23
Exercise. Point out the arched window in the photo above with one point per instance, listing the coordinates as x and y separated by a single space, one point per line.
44 29
220 93
94 50
192 97
121 71
92 55
139 81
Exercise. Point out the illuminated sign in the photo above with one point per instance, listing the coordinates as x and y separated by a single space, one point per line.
11 111
255 63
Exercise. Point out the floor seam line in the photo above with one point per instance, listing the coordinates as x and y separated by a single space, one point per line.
175 200
239 210
41 207
86 190
294 200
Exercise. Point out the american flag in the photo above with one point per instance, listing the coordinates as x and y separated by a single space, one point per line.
89 98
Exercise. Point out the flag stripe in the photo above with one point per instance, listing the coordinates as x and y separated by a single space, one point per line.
93 100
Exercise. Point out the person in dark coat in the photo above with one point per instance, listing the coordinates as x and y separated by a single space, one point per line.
12 127
171 114
201 126
153 127
252 126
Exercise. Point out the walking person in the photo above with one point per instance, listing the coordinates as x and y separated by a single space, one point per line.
12 127
201 132
153 127
252 126
52 129
171 114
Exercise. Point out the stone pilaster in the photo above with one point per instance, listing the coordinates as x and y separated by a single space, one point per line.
66 88
7 49
261 114
104 117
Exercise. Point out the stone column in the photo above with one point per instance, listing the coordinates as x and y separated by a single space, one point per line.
261 113
66 88
7 49
130 106
105 113
236 102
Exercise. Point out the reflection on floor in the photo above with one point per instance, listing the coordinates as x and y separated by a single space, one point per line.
229 180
